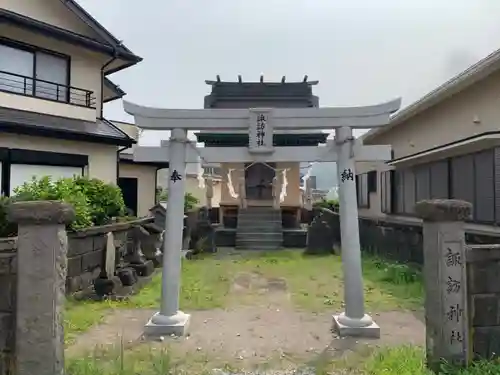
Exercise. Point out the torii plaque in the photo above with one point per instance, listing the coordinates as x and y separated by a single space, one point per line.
260 124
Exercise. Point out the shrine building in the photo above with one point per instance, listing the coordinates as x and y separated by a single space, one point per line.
258 177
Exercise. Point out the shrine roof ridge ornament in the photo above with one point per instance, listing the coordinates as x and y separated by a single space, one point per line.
218 81
362 117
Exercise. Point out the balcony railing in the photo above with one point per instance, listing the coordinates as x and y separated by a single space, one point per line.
39 88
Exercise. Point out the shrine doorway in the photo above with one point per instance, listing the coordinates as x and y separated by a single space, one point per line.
259 181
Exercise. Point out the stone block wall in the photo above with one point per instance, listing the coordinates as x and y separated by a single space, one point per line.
483 288
87 252
8 270
86 256
402 241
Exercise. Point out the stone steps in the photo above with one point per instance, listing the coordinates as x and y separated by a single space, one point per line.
259 228
256 236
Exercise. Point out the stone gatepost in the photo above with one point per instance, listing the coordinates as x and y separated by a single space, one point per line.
42 247
445 280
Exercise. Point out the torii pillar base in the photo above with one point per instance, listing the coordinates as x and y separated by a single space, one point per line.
160 325
362 328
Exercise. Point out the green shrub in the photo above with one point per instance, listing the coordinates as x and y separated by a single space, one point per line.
95 202
7 229
397 273
105 200
64 190
331 204
190 201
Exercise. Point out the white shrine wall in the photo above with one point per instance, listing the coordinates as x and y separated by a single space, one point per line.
293 197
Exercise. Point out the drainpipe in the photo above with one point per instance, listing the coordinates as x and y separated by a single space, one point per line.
110 61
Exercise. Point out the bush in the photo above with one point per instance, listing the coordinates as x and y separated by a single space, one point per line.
95 202
7 229
65 189
397 273
105 200
190 201
330 204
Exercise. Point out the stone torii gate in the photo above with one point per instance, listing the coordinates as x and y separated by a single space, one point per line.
260 124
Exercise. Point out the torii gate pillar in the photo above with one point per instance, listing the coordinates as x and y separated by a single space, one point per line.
354 321
170 320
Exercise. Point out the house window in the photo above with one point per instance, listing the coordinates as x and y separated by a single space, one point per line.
470 177
473 180
362 190
372 181
386 191
27 71
209 170
21 173
16 70
51 77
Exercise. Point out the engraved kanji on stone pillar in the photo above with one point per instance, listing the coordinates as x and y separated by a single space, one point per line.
42 248
445 281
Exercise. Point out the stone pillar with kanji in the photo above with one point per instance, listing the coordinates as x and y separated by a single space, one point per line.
42 247
446 317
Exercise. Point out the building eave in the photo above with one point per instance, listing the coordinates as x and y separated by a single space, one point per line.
460 82
462 146
117 91
129 159
65 135
58 33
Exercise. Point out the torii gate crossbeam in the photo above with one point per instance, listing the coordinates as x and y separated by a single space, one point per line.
260 123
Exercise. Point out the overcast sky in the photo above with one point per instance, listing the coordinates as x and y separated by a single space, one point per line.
361 51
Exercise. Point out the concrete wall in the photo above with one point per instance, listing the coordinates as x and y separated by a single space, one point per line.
7 303
146 185
483 284
102 158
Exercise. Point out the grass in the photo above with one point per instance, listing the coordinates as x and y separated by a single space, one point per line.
314 282
410 360
404 360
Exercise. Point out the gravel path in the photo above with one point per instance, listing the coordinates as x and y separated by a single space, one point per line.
247 336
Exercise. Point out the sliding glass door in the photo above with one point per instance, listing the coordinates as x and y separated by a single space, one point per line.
16 70
35 73
52 77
